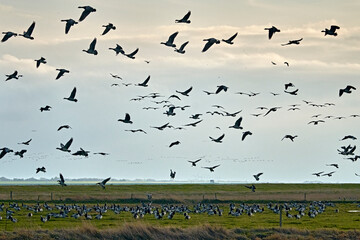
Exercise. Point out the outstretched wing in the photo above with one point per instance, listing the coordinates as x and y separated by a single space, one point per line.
30 29
84 14
106 180
238 122
186 17
183 46
133 53
232 38
207 46
62 178
215 166
221 137
73 93
333 28
68 144
172 37
92 44
187 91
146 80
127 117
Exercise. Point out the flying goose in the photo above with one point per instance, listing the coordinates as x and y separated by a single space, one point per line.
8 35
115 75
318 174
289 137
162 127
272 31
185 93
185 19
170 41
193 124
297 42
347 89
87 10
211 168
252 187
69 23
46 108
193 163
237 124
28 33
136 130
102 153
65 148
181 49
230 40
26 143
108 27
221 88
195 116
170 112
118 49
273 109
63 126
13 75
81 152
172 174
210 42
144 84
39 61
348 137
292 92
72 96
328 174
20 153
227 114
132 55
174 143
4 151
42 169
331 31
62 181
245 134
219 139
256 176
91 49
316 122
333 165
102 184
61 73
126 119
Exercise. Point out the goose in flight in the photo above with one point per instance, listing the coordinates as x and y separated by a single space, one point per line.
102 183
237 124
219 139
227 114
348 137
257 176
221 88
63 126
42 169
12 76
118 49
185 93
170 112
174 144
210 42
208 93
292 92
46 108
193 163
347 89
286 63
195 116
126 119
289 137
230 40
65 148
4 151
26 143
91 49
328 174
272 31
172 174
331 31
28 33
162 127
252 187
20 153
297 42
136 130
273 109
132 55
102 153
81 152
318 174
115 75
8 35
245 134
144 84
61 73
185 19
108 27
287 85
39 61
69 23
62 181
333 165
193 124
87 10
274 94
72 96
170 41
316 122
211 168
181 49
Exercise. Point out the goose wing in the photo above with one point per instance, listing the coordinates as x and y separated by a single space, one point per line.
105 180
187 16
183 46
146 80
208 45
188 91
333 28
133 53
68 144
30 29
232 37
73 93
238 122
85 13
67 26
92 45
62 178
127 117
172 37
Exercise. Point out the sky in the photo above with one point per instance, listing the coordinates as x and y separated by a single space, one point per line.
319 66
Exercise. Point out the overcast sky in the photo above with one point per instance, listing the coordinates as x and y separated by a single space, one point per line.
319 66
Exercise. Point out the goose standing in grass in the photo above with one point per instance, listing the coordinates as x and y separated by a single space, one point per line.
185 19
72 96
170 41
62 181
182 47
210 42
69 23
102 183
65 148
28 33
230 40
108 27
8 35
91 49
61 73
39 61
272 31
87 10
126 119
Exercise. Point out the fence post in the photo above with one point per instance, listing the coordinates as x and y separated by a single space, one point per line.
131 196
203 197
280 220
38 198
51 196
11 195
215 197
304 196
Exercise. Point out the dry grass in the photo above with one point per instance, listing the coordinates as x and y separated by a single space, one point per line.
143 231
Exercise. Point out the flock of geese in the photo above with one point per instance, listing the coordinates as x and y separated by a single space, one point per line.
289 88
